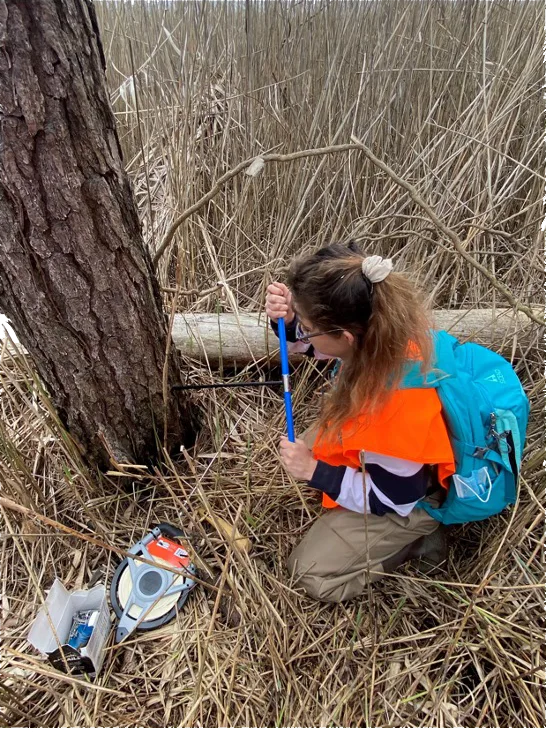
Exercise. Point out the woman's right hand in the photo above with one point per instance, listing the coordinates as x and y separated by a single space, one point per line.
278 302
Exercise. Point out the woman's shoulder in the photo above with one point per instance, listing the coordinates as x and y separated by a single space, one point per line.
405 404
410 420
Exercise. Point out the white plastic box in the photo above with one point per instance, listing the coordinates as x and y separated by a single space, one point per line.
50 631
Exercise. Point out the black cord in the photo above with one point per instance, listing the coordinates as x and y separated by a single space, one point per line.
225 385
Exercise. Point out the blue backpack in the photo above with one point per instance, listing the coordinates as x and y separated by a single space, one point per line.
486 412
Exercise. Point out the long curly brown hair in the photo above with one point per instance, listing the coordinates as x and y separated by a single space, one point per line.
389 320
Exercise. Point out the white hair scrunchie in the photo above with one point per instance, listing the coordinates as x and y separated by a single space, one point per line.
375 268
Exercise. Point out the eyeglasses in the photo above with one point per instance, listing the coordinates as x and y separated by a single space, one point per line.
304 336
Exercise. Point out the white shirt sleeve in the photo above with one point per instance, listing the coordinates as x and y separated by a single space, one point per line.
354 497
389 484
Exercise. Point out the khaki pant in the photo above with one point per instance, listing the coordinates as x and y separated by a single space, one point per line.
344 550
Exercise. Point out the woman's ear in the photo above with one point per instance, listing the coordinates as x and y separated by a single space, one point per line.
349 337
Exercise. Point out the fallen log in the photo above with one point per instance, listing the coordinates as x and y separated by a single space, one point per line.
247 337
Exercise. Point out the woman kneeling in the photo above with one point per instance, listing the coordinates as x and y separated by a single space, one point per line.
377 450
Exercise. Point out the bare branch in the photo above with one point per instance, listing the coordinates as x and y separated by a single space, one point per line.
449 233
269 158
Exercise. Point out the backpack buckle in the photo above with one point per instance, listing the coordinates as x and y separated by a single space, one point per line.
480 452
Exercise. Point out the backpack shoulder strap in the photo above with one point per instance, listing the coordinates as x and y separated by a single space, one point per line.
444 365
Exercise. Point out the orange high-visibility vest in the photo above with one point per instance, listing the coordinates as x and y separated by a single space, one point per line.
409 426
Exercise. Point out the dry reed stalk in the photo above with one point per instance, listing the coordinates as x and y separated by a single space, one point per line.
448 95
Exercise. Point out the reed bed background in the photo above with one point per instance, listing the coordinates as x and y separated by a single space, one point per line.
450 96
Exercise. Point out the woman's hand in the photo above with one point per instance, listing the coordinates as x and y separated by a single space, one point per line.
278 302
297 458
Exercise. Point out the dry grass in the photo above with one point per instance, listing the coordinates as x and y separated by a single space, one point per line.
450 96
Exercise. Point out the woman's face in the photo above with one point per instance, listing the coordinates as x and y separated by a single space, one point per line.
338 344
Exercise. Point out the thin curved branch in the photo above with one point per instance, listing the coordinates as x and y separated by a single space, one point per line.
268 158
355 145
449 233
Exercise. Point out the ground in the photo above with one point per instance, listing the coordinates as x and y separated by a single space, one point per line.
449 95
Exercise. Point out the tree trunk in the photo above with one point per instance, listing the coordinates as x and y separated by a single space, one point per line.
76 279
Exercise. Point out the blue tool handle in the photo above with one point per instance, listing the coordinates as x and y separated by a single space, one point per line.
285 379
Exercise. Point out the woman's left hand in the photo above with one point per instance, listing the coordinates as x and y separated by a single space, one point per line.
297 458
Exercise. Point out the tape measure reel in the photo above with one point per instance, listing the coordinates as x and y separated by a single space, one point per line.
145 597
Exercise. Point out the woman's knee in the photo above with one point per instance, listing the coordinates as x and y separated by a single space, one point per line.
323 587
300 570
313 586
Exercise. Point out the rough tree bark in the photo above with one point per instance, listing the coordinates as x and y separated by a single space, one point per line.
76 280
